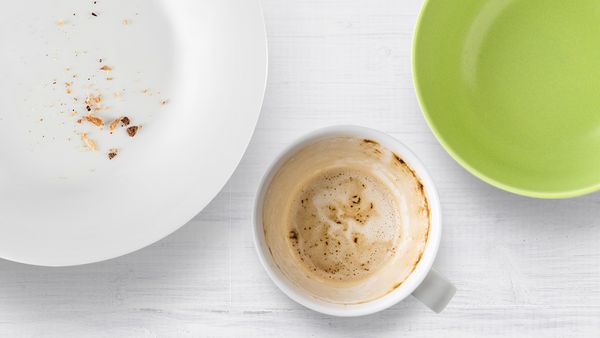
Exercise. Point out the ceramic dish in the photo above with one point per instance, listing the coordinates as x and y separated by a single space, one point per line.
426 284
510 89
189 74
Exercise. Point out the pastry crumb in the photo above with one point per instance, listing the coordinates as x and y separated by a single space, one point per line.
89 143
112 153
131 131
114 124
125 121
106 68
92 103
95 120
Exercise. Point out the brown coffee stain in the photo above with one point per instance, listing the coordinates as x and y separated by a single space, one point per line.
375 147
370 142
400 161
420 187
397 160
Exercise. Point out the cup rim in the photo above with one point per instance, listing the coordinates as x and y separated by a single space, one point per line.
415 278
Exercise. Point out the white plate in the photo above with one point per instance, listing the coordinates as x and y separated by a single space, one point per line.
63 204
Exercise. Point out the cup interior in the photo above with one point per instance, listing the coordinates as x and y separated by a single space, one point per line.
386 287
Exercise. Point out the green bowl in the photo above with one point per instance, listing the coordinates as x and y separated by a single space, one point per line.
511 89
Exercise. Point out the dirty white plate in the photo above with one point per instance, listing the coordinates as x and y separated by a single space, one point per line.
191 73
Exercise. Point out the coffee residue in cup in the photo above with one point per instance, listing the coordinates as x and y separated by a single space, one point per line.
345 224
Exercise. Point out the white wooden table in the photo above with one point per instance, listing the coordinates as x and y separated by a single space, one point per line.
523 267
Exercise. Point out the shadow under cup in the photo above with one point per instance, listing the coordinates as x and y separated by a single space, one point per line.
410 248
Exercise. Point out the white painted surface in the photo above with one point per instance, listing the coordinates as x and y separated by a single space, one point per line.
523 267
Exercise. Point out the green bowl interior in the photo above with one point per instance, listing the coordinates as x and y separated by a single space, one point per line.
511 88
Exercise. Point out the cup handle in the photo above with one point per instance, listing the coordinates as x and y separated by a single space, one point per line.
435 291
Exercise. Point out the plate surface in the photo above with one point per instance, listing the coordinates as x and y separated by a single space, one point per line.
510 88
190 73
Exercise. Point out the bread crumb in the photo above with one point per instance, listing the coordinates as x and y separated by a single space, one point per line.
112 153
90 144
92 103
98 122
114 124
60 23
125 120
106 68
131 131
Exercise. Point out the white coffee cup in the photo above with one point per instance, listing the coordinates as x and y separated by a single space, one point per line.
424 283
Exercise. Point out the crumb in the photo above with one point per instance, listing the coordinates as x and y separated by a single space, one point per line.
73 112
88 142
106 68
100 60
131 131
60 23
125 22
109 79
92 102
146 92
125 120
114 124
79 121
68 87
98 122
112 153
164 102
94 14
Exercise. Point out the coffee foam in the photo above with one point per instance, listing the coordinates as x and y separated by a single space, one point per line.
344 224
319 201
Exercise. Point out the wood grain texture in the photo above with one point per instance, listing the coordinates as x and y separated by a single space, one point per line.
523 267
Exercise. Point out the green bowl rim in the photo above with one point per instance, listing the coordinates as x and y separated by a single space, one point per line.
490 180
